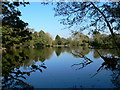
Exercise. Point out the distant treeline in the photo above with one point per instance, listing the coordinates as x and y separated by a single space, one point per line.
31 39
40 39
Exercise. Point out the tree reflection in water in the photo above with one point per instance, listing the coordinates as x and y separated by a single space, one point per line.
81 53
58 50
12 76
84 63
111 62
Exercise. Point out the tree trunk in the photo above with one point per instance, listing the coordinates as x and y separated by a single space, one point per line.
108 24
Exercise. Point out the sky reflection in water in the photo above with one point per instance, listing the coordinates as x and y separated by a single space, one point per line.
61 74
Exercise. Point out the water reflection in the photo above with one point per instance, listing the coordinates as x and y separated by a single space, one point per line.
84 50
12 61
84 62
104 52
111 63
14 77
58 50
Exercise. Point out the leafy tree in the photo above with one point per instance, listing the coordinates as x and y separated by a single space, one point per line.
41 39
80 38
14 29
96 38
102 40
10 15
0 38
64 41
103 14
91 16
48 39
69 40
14 38
58 40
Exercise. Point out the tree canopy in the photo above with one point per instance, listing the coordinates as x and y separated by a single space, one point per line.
89 15
14 29
58 40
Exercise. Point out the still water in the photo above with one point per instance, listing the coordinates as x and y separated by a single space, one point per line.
59 68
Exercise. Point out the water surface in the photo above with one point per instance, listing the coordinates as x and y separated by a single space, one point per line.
58 68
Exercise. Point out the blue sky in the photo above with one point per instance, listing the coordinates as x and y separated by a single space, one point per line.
41 17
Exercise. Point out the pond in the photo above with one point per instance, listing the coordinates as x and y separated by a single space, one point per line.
59 68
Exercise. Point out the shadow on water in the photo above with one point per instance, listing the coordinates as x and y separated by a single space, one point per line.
13 60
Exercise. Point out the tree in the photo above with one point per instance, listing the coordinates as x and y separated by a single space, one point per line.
14 38
41 39
13 28
58 40
37 39
80 38
96 38
64 41
10 15
102 40
48 39
89 15
98 13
